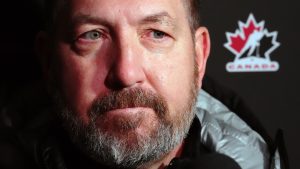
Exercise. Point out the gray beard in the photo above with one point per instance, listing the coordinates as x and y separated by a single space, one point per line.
112 151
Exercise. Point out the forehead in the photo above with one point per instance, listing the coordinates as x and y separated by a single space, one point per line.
127 9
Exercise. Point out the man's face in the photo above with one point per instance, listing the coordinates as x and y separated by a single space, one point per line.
127 71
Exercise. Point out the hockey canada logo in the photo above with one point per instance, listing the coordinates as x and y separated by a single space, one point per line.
252 45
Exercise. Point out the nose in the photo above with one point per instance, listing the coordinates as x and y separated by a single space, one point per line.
126 68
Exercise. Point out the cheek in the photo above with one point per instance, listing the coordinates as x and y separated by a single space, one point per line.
173 80
74 83
80 82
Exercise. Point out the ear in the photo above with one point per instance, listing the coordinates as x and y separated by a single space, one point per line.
202 49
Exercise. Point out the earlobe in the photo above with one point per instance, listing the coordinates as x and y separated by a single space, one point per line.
202 49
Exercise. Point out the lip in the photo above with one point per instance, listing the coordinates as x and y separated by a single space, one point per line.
129 111
126 119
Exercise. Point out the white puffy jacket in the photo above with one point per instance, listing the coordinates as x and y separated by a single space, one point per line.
224 132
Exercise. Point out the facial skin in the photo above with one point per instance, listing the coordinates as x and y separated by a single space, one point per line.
130 48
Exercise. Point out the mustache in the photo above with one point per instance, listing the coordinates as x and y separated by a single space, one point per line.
129 98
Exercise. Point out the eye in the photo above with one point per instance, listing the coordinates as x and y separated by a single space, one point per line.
156 38
158 34
91 35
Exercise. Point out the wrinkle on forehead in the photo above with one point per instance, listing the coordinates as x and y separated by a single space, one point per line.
161 18
113 9
118 9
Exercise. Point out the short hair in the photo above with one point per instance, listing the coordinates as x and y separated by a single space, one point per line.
194 11
50 10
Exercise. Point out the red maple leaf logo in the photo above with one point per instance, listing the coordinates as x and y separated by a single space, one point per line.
252 45
238 40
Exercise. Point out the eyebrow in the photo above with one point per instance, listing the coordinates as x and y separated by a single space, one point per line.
162 18
84 19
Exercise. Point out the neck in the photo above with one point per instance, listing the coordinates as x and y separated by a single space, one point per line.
164 161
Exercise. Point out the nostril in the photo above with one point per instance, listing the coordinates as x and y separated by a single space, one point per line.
111 82
119 78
